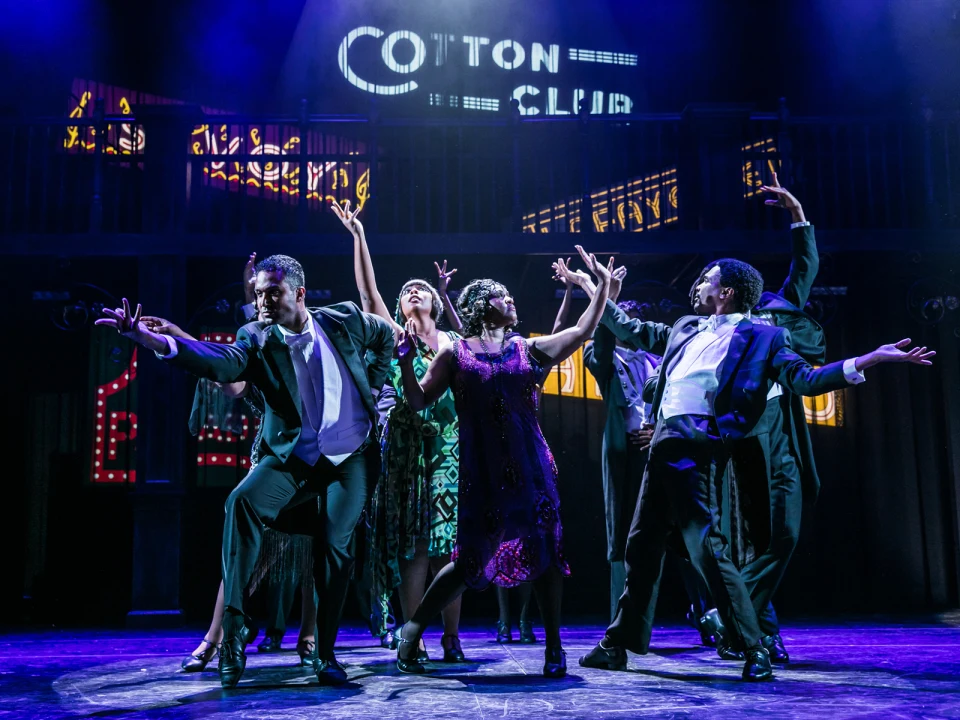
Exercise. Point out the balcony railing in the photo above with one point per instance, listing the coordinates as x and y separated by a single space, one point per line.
174 168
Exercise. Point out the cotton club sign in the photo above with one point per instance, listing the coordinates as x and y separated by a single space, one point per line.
399 62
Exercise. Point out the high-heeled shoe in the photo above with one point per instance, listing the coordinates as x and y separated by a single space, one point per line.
452 652
554 662
412 666
198 661
526 632
307 650
504 633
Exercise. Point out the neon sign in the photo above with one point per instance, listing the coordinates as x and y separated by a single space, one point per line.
644 203
114 426
279 145
479 56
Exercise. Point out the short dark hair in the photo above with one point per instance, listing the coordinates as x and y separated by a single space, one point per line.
437 303
473 303
744 279
290 269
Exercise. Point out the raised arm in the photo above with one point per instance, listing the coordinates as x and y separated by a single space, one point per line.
423 393
223 363
804 259
798 376
564 312
370 299
632 332
443 283
554 349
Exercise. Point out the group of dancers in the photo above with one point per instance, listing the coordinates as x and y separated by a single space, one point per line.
436 434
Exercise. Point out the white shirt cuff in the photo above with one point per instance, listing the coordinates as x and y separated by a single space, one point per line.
171 348
850 372
805 223
249 311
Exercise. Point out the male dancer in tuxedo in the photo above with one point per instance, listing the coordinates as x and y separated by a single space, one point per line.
621 373
716 377
776 473
315 369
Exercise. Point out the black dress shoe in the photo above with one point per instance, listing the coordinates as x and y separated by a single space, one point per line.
526 633
452 652
603 658
233 661
412 665
329 672
199 661
712 623
504 634
271 643
726 652
774 646
554 662
757 667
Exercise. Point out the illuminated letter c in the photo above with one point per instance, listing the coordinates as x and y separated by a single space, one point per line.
359 82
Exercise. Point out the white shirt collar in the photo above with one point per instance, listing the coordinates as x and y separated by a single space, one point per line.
714 321
309 331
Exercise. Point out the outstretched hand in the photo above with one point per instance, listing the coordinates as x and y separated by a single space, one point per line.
783 198
407 347
250 278
600 271
616 279
897 353
349 219
562 272
443 276
124 321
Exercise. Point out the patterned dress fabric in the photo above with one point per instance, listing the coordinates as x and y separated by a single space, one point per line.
509 527
416 497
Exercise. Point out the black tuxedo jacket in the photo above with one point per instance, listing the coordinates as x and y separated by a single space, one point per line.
758 356
260 356
807 339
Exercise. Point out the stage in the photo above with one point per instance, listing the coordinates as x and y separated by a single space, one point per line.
862 668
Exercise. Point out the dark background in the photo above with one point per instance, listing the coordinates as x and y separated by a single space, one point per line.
884 534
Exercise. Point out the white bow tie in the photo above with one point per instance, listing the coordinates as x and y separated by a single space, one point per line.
299 341
707 323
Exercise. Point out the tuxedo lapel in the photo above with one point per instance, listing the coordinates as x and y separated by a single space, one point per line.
278 352
342 343
678 338
738 343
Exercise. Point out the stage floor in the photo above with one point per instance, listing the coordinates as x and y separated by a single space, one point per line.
840 670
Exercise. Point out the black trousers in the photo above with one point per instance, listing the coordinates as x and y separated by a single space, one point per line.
769 478
679 499
622 477
283 495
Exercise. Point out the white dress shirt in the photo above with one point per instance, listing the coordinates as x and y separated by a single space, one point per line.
334 420
692 380
692 376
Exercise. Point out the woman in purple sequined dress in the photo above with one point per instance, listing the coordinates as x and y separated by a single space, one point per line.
509 526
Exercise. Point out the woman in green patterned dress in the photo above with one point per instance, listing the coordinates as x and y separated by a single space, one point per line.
412 523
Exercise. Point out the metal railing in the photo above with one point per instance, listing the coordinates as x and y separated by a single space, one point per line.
177 169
